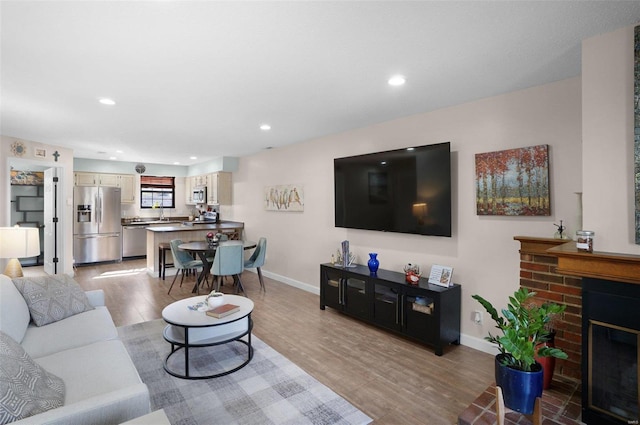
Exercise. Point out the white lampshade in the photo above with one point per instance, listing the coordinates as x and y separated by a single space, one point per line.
19 242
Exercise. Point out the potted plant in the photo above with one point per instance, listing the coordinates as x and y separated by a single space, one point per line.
524 330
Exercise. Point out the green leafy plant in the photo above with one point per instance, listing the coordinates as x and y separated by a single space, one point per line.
524 326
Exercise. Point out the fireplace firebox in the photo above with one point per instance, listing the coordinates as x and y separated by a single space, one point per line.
610 339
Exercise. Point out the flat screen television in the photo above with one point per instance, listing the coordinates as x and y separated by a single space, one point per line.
404 190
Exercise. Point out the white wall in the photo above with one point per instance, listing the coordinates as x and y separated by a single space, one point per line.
607 125
482 250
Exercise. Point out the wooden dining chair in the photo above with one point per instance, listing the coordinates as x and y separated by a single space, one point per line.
229 261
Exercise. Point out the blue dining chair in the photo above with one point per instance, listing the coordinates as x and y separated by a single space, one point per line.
229 261
182 261
257 260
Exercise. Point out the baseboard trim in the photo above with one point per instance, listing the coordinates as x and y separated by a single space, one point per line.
288 281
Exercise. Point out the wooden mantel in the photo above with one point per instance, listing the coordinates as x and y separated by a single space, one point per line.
598 265
571 262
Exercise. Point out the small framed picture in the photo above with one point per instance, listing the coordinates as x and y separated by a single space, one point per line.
40 153
441 275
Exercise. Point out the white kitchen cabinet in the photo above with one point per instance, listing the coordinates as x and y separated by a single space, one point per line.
85 179
126 183
219 188
188 190
109 180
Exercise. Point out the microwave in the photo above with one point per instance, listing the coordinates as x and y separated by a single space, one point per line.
200 195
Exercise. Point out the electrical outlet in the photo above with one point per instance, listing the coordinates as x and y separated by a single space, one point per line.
476 317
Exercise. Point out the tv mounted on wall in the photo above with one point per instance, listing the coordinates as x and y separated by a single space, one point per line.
403 190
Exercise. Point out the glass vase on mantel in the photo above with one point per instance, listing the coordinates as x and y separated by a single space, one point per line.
373 262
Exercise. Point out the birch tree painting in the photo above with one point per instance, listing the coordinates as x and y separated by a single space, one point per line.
513 182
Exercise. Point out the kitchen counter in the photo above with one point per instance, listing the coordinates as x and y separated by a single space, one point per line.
222 225
157 234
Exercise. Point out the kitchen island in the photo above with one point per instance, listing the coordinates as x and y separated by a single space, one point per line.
187 233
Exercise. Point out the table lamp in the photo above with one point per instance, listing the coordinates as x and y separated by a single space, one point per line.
18 242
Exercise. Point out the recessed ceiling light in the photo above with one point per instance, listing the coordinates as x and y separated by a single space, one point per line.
383 163
397 80
176 163
193 157
265 127
113 157
107 101
410 149
118 151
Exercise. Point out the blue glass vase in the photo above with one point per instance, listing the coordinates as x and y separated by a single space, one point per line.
373 262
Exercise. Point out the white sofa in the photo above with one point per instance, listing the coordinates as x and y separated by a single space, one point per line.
102 385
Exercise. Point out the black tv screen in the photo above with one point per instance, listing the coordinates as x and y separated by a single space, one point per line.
404 190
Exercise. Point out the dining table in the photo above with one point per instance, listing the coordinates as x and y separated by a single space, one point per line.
206 252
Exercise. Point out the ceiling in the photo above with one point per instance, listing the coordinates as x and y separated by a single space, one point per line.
199 78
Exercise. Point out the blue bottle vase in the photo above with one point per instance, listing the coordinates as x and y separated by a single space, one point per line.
373 262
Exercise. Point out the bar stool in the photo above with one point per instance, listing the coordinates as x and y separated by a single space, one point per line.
163 247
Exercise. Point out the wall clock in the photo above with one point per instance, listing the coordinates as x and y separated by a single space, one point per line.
18 148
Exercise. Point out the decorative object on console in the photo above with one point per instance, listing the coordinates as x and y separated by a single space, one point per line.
513 182
412 273
373 262
18 242
441 275
523 331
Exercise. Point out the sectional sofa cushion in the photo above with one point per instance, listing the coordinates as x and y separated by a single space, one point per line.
75 331
26 388
52 298
14 314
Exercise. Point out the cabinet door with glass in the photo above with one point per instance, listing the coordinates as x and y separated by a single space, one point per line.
386 306
356 298
331 288
419 316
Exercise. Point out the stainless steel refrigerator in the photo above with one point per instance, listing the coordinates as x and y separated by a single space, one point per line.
97 230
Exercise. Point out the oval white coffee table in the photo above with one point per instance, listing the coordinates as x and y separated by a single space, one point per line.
188 328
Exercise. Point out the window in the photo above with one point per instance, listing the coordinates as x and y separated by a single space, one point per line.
156 192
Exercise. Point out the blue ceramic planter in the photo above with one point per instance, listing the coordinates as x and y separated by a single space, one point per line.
520 389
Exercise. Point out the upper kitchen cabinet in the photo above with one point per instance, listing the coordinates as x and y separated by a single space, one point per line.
188 190
127 185
219 188
126 182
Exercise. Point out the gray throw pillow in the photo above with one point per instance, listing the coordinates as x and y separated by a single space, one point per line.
26 389
52 298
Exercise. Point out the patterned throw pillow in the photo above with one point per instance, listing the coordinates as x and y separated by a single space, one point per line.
26 389
52 298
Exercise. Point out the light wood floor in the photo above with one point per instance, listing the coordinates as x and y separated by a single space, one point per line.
391 379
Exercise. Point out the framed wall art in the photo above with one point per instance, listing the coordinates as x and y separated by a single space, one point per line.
288 197
513 182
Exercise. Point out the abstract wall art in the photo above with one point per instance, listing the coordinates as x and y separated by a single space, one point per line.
288 197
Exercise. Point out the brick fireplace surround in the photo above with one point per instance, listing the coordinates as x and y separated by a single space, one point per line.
554 269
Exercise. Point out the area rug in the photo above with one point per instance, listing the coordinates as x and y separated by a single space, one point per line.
269 390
